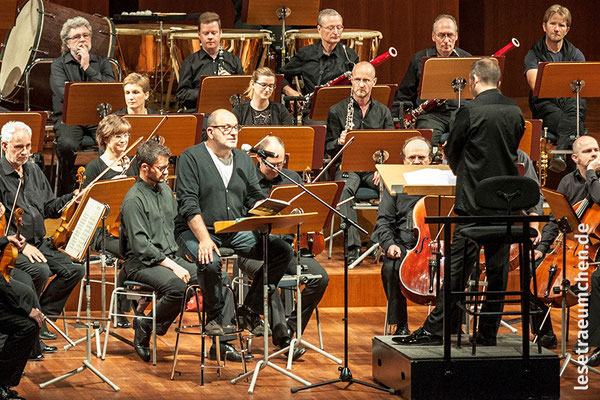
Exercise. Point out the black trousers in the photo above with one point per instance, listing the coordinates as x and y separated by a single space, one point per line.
311 294
169 288
560 117
22 334
496 261
390 276
69 139
354 181
439 121
68 274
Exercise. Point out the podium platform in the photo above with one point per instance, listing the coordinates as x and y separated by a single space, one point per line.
496 372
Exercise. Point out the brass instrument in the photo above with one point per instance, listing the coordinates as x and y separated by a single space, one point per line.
543 163
430 104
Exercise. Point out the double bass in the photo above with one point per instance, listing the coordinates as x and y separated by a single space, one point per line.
549 274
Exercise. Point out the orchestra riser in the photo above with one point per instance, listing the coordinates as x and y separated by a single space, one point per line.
496 372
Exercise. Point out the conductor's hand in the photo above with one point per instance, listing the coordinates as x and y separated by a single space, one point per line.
393 252
181 273
205 251
37 316
342 138
33 253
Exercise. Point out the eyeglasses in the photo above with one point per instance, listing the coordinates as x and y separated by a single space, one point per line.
443 36
122 136
77 37
358 81
162 168
332 28
227 129
265 85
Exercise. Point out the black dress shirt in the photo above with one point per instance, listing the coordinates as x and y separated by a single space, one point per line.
197 65
266 185
201 191
279 114
483 142
147 220
575 187
317 68
394 223
408 89
66 69
378 116
35 198
123 111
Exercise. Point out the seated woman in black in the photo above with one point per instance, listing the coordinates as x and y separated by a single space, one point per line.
260 110
137 90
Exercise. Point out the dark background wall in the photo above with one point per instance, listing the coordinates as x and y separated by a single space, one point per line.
485 26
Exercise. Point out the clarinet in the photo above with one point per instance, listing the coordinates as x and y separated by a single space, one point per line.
350 114
220 62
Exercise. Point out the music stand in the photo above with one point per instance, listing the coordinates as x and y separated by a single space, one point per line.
86 103
530 141
36 120
279 224
568 224
394 181
568 79
446 77
180 131
325 97
300 142
368 142
224 91
271 12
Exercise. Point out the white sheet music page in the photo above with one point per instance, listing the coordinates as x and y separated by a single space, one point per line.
430 176
85 228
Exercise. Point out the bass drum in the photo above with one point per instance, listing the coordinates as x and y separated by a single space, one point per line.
36 35
364 43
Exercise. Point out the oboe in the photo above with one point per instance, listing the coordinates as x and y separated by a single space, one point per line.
220 62
350 114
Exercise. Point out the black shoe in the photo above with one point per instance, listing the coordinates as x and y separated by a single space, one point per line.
38 357
281 335
123 322
419 337
8 394
48 349
557 164
251 321
353 255
229 352
213 328
594 359
483 340
548 340
298 349
402 330
141 340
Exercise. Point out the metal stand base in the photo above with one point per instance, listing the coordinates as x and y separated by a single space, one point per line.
346 377
311 346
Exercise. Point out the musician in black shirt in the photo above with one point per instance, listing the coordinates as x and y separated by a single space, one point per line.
211 59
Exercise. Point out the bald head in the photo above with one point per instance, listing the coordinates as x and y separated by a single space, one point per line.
364 67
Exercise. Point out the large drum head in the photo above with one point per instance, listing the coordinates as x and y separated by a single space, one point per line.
22 39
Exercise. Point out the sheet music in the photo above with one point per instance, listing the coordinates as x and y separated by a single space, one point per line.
430 176
85 228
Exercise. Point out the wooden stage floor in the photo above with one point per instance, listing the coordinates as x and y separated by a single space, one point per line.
139 380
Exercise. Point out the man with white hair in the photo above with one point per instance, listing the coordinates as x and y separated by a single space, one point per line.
76 64
23 184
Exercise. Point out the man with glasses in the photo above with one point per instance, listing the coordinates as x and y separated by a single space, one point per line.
444 35
320 62
368 113
394 230
558 114
216 182
209 60
148 243
76 64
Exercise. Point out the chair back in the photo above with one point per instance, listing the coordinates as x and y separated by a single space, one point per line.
509 193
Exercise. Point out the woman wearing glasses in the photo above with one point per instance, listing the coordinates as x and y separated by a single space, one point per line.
136 88
260 110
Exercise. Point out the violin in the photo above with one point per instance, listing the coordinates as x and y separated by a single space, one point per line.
418 277
61 235
549 273
9 255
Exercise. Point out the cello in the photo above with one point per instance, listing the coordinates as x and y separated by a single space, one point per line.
549 273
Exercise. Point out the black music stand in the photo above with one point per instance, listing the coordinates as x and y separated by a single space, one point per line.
265 225
86 103
272 12
568 225
568 79
446 77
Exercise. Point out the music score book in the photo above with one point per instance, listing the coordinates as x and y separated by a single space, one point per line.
84 230
268 207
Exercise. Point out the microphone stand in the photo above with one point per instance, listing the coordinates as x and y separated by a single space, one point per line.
345 373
